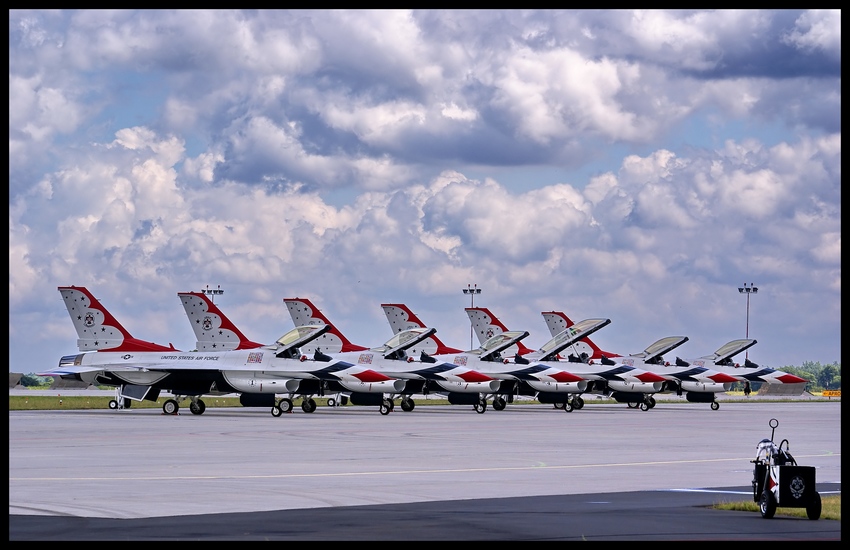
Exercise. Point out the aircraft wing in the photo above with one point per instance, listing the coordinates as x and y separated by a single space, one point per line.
570 336
73 370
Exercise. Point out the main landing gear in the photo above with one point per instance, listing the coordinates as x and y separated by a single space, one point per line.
282 406
172 406
573 402
308 405
646 404
387 406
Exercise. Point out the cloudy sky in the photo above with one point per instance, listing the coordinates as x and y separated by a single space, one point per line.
633 165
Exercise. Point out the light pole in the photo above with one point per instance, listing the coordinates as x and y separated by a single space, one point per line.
213 292
752 289
472 290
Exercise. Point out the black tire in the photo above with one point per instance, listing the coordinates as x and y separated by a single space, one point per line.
407 404
578 402
715 405
481 407
633 405
559 405
113 404
767 504
276 412
197 407
568 407
813 510
499 404
651 401
644 406
385 409
331 402
170 406
285 405
308 405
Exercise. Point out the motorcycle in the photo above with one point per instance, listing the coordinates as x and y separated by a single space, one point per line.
779 481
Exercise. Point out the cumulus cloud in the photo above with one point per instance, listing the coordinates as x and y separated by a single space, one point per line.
818 30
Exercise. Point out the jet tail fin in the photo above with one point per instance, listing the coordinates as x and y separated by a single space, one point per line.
213 330
97 329
401 318
486 325
303 312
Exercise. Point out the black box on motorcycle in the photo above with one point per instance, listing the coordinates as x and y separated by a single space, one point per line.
796 486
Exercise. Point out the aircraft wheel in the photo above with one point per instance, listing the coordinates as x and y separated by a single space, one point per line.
499 404
407 405
578 402
285 405
308 405
197 407
113 404
644 406
385 409
331 402
568 407
633 405
276 412
170 407
767 504
391 404
814 508
715 405
559 405
481 407
651 400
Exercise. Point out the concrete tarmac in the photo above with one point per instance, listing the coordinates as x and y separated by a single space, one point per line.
530 472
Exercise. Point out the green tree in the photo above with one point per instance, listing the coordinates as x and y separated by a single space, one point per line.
32 379
826 377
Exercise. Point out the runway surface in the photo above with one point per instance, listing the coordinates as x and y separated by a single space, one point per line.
530 472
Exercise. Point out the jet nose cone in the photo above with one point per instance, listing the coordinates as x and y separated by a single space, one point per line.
650 377
566 377
722 378
371 376
474 376
790 379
